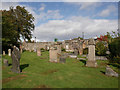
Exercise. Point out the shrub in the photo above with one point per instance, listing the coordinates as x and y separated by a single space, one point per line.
114 48
100 48
85 51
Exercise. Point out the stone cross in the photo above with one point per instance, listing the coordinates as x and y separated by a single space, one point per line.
9 52
91 54
38 52
15 60
3 53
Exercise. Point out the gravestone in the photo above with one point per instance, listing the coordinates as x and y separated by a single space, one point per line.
62 59
91 54
21 49
5 61
76 52
3 53
80 50
9 52
38 52
110 72
15 60
53 54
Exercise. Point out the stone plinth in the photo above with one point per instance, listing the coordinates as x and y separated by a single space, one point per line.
9 52
38 52
91 54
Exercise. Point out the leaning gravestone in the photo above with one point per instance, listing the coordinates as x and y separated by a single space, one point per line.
5 62
15 60
3 53
38 52
110 72
9 52
91 54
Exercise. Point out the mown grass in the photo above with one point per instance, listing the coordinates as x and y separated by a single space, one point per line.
38 72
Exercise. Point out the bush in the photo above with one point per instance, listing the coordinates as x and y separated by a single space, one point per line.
100 48
114 48
85 51
63 49
42 49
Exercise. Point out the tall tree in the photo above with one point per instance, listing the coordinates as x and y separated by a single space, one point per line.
16 23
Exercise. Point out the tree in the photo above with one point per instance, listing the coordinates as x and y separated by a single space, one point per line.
16 23
100 48
55 39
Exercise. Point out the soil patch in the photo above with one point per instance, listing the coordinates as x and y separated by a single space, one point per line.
42 86
50 72
13 78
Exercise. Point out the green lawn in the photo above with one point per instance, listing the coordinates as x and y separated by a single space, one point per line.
38 72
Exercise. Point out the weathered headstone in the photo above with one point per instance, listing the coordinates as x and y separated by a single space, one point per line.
110 72
5 61
62 59
21 50
91 54
53 54
15 60
38 52
9 52
76 52
3 53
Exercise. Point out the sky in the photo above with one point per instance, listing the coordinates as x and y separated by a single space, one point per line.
67 20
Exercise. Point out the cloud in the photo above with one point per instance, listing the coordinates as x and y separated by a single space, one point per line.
42 7
7 5
109 10
73 27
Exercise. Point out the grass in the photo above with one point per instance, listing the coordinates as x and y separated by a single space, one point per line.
38 72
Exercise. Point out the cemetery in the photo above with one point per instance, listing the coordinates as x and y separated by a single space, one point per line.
45 45
53 68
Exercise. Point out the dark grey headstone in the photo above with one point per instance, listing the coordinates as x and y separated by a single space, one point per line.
15 60
62 59
76 52
5 62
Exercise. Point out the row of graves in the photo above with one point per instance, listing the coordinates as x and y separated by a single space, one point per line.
56 56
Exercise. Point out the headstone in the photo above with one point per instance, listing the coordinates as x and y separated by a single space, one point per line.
3 53
5 62
15 60
62 59
91 54
80 49
53 54
76 52
110 72
38 52
21 49
9 52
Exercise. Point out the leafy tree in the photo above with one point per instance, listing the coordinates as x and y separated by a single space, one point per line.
55 39
100 48
16 23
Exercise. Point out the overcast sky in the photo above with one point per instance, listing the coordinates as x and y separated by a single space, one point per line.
67 20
